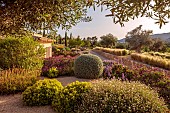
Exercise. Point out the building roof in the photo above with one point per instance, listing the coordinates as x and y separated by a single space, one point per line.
42 39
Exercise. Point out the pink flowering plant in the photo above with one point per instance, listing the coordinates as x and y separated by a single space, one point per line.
152 76
117 71
64 65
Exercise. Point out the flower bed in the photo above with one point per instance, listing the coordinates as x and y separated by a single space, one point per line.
63 64
130 63
152 77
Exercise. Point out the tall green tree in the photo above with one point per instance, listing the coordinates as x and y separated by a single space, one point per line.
138 38
75 43
94 41
108 40
34 15
15 15
65 39
124 10
158 45
71 35
60 39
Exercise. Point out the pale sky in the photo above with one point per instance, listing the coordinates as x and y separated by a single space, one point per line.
101 25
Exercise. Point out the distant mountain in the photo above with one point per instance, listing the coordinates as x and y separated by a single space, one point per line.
163 36
121 40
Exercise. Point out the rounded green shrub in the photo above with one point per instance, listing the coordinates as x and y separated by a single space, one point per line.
21 52
121 97
42 92
69 98
88 66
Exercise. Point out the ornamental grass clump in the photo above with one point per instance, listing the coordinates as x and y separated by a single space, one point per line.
88 66
42 92
118 52
69 98
152 60
121 97
17 80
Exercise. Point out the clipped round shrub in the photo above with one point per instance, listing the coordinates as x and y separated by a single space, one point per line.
121 97
69 98
42 92
88 66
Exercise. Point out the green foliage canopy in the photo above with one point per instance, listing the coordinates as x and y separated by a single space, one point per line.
108 40
138 38
40 14
50 14
124 10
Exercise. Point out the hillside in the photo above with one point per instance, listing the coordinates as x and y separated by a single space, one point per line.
162 36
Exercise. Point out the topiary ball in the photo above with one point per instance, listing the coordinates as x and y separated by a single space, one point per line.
69 98
88 66
42 92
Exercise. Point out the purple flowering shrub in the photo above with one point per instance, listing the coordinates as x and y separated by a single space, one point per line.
142 73
64 65
117 71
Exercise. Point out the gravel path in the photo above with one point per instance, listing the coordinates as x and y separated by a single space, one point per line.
14 104
102 57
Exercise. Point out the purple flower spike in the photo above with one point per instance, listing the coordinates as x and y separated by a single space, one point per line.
123 76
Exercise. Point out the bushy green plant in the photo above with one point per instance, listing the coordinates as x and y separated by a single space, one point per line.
21 52
159 82
124 52
88 66
121 45
121 97
42 92
17 80
52 72
69 98
151 78
67 49
73 54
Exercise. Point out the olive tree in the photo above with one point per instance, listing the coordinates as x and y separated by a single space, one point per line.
124 10
34 15
15 15
108 40
138 38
